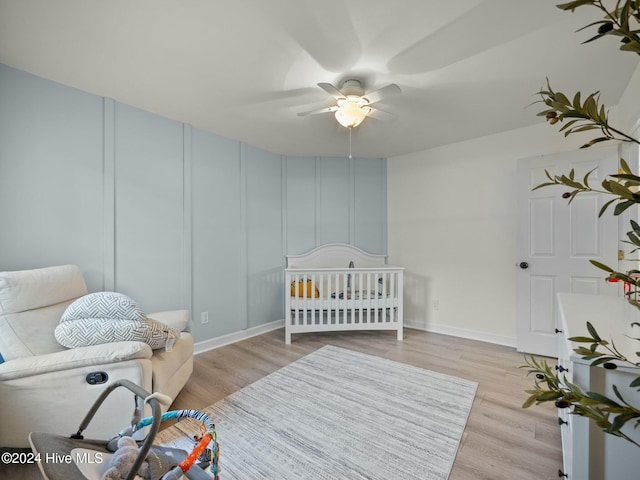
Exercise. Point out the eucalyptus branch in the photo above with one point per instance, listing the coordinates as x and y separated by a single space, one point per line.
605 359
622 187
608 414
581 115
622 21
616 22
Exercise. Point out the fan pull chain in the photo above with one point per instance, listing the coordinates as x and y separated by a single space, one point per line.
350 128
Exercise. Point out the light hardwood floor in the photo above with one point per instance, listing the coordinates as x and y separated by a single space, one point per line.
501 440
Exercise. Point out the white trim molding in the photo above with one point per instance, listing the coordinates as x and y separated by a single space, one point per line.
463 333
213 343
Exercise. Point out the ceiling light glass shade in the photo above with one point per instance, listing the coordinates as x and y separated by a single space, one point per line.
351 112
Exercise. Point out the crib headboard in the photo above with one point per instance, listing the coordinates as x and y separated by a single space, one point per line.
335 255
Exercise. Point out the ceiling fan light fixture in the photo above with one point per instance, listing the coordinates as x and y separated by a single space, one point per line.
351 111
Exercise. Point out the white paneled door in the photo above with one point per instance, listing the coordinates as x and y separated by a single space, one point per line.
556 240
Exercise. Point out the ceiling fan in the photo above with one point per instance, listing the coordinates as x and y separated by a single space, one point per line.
354 105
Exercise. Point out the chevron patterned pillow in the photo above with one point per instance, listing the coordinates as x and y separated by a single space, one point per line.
105 317
104 305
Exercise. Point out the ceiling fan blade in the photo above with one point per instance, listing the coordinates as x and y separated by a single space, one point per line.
384 92
331 90
319 110
380 114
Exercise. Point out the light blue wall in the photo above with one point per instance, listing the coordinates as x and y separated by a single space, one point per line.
149 208
218 239
264 254
301 212
369 221
171 215
51 176
335 200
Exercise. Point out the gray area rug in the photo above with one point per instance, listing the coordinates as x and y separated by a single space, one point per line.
340 415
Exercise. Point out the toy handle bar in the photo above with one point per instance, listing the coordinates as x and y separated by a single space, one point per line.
154 420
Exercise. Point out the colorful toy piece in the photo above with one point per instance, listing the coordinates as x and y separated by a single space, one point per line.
209 436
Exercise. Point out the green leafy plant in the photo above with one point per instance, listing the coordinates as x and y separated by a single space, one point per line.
608 414
619 21
622 21
574 116
581 115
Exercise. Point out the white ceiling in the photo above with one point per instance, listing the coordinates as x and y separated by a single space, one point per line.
244 68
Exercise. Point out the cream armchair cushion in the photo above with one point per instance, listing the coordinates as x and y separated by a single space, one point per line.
29 289
47 387
31 304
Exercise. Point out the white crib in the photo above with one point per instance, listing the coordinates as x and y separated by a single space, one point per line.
341 287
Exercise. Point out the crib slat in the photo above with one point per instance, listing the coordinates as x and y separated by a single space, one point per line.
377 309
336 299
305 301
296 312
345 296
399 312
357 297
320 297
301 310
392 291
324 295
308 294
287 308
367 313
314 300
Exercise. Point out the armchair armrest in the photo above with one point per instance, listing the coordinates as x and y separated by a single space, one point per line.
178 319
106 353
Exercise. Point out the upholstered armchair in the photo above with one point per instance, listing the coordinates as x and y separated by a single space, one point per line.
47 387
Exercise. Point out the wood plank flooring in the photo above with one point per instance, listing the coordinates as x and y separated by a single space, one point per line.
501 441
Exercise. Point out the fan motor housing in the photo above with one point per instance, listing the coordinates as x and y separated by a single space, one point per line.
351 86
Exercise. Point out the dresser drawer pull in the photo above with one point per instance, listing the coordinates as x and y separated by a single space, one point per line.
561 369
562 422
558 331
561 474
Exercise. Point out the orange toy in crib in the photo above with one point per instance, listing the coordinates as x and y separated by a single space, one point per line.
302 291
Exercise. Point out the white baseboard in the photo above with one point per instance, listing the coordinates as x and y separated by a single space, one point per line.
234 337
463 333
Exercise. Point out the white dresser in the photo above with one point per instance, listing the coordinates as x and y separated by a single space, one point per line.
589 453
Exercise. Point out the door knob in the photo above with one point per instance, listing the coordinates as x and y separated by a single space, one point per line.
524 265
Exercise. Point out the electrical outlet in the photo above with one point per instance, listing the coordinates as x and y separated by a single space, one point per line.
204 317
